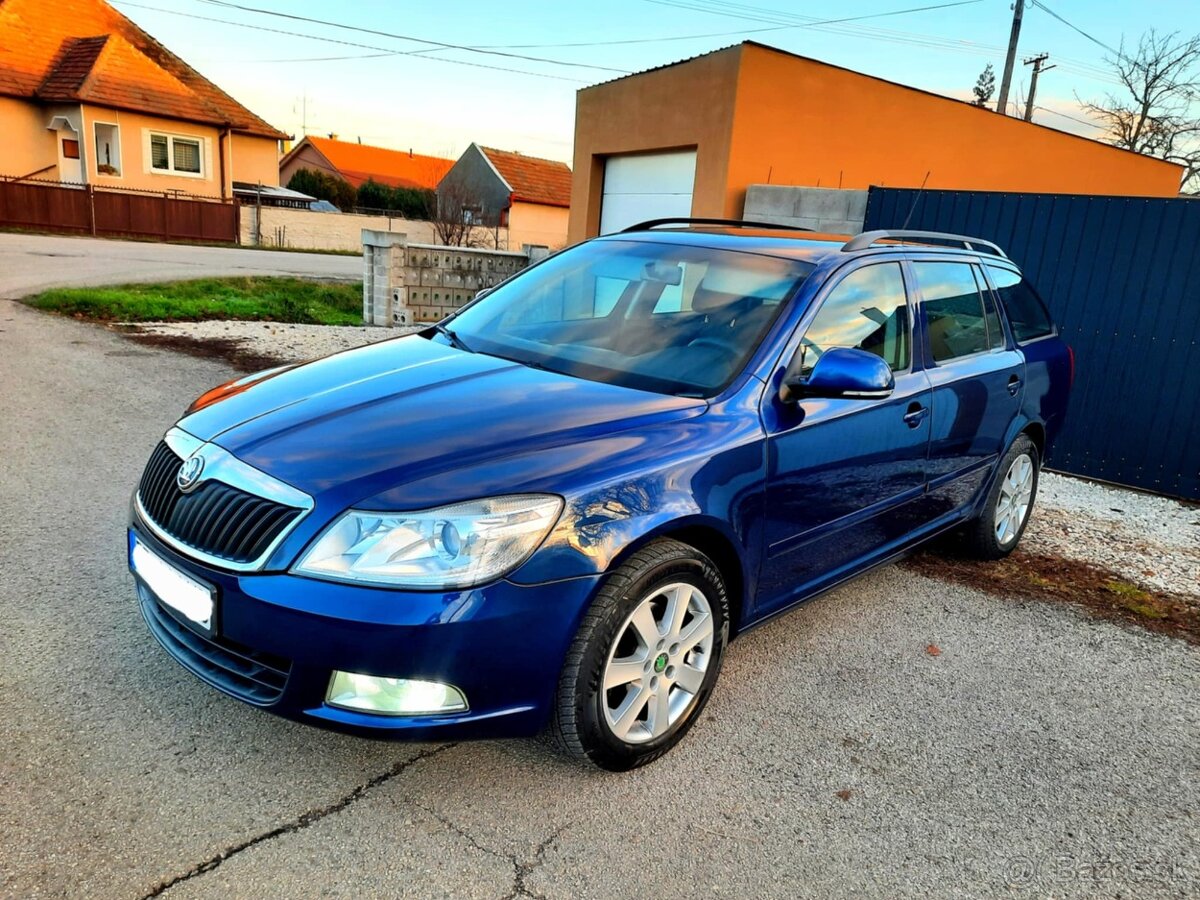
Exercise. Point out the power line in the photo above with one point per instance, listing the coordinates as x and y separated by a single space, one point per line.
1055 112
790 20
441 45
1044 8
384 51
808 23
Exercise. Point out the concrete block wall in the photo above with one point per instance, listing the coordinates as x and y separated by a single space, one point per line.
406 284
304 229
828 210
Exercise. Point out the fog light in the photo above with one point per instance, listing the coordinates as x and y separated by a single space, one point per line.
393 696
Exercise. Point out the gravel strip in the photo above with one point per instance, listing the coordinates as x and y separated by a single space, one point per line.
288 342
1149 540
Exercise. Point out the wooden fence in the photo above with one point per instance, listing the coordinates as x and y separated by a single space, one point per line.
112 212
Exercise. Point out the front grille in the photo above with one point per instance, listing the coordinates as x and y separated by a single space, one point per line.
251 675
215 518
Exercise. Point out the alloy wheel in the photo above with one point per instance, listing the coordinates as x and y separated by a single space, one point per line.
1012 506
657 664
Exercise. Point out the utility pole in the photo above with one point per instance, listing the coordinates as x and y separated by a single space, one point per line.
1038 69
1010 60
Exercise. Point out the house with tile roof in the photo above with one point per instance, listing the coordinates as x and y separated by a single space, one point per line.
86 96
526 198
358 163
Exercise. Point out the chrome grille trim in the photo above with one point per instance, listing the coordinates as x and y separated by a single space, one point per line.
222 466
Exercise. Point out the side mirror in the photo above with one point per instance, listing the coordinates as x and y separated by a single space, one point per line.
840 372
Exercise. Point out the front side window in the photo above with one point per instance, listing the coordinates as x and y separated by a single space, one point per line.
175 154
1027 314
654 316
867 310
953 309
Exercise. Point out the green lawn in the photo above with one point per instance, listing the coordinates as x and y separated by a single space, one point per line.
273 299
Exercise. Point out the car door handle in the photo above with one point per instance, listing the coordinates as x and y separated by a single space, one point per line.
915 415
1014 385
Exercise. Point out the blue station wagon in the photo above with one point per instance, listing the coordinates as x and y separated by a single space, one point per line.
555 508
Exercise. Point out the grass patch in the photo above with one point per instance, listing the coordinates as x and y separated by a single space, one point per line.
1100 591
295 300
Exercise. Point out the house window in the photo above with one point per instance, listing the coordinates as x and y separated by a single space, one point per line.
108 149
175 154
70 149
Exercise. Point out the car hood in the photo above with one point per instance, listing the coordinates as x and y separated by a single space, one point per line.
348 427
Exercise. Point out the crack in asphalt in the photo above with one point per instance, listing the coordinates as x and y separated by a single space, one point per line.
521 870
306 819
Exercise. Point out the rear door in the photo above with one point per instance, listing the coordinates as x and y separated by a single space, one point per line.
976 374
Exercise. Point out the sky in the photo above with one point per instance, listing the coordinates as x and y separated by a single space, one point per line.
403 88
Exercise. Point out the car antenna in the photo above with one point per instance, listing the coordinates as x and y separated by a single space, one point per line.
916 200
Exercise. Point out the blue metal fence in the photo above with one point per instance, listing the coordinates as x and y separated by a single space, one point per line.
1121 276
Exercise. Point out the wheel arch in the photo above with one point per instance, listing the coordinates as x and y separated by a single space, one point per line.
1036 432
711 540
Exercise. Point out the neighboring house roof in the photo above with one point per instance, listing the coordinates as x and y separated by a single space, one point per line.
358 163
84 51
532 180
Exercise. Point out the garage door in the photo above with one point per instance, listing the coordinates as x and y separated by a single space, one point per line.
646 186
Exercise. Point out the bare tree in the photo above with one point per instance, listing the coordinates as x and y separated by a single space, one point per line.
1158 111
455 215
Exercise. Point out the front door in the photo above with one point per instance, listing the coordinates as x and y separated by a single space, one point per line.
70 156
846 476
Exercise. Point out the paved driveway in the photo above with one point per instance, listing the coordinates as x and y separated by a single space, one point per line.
34 262
1041 753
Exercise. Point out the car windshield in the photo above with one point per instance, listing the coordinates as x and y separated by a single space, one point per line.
660 317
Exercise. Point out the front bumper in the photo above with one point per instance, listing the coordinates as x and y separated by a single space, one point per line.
278 637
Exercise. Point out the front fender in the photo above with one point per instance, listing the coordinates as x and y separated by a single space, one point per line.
599 526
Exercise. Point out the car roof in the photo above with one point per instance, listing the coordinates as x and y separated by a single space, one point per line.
809 246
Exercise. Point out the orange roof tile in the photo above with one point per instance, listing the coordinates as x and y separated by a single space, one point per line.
533 180
85 51
396 168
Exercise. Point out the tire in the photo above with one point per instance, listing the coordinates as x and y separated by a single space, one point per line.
668 683
984 537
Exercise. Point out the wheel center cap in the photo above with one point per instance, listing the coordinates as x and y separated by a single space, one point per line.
660 663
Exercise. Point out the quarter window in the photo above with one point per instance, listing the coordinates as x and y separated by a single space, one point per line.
995 329
953 309
175 154
1027 314
868 310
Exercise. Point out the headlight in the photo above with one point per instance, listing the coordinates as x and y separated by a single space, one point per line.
449 547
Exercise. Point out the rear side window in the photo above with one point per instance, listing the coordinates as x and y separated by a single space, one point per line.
953 309
867 310
1027 315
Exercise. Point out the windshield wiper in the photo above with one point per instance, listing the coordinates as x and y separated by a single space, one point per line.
455 341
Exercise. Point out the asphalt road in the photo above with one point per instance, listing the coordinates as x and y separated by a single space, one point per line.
1041 753
35 262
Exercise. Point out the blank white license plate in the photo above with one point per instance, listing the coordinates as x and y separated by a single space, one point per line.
181 592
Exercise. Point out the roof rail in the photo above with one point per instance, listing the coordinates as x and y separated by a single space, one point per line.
869 238
650 224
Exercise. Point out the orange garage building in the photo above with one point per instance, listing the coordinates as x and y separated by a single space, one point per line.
689 138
